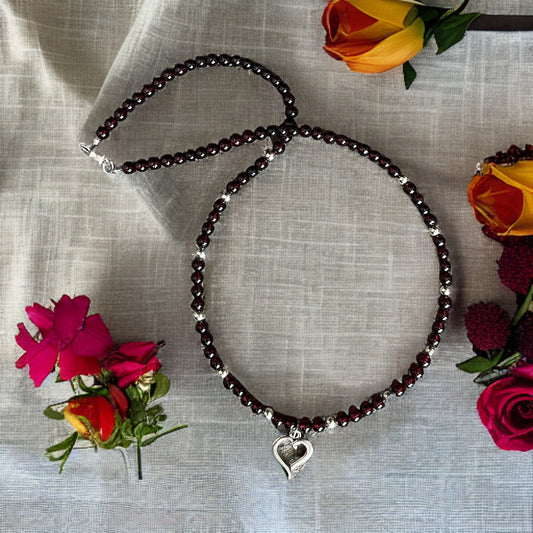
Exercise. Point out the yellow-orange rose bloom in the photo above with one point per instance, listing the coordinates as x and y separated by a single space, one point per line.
502 198
372 35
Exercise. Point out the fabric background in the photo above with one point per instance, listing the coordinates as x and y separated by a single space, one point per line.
322 279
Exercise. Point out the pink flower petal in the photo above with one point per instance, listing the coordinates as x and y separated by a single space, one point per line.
94 340
41 361
138 351
24 339
69 316
70 365
42 317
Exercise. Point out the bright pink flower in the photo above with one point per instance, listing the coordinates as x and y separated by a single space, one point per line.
506 410
488 326
68 337
132 360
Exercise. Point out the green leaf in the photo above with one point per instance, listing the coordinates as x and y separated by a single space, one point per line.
149 441
409 74
491 375
479 363
510 360
64 446
50 412
523 308
452 29
162 386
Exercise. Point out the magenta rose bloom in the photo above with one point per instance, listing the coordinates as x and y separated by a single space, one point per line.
132 360
506 410
67 337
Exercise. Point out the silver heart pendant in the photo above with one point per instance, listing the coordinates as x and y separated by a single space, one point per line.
292 452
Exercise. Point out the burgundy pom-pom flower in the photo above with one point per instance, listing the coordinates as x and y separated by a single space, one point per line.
488 326
525 336
515 267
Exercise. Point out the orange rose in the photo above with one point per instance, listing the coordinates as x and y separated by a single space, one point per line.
502 198
372 35
97 411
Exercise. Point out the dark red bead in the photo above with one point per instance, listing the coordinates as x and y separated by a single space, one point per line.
202 241
445 302
288 99
179 158
329 137
423 208
319 424
305 130
198 264
378 402
445 279
212 149
352 145
141 165
442 253
201 61
190 64
201 152
397 387
442 315
154 163
260 133
238 389
138 98
180 69
363 149
202 326
102 132
128 105
120 113
224 145
272 130
342 419
354 414
197 290
430 220
216 363
409 187
190 155
148 90
210 352
291 111
416 370
275 81
167 160
417 198
408 381
224 60
233 187
236 140
277 418
439 240
305 424
290 422
423 359
317 133
248 136
128 167
438 327
198 304
394 171
243 178
252 172
247 399
220 205
229 381
445 265
168 74
111 123
214 216
283 89
278 148
366 408
257 407
374 155
266 74
208 228
159 83
261 163
433 340
384 162
212 60
341 140
197 277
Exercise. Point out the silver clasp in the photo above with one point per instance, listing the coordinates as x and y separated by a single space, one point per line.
105 163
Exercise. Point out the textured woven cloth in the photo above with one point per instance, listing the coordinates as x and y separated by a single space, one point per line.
322 278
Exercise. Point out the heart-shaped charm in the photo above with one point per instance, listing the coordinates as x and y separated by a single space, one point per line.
292 453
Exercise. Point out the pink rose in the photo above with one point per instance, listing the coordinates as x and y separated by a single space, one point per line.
506 410
132 360
67 337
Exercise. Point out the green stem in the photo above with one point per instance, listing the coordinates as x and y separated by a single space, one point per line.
461 7
139 460
523 308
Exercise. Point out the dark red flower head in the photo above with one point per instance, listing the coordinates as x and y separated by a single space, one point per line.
515 267
488 326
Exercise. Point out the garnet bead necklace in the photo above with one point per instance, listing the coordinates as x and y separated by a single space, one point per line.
293 450
194 154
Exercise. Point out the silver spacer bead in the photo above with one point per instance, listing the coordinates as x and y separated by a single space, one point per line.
226 197
268 413
434 231
330 422
429 350
445 291
199 316
478 168
269 154
96 141
386 393
200 254
402 180
223 372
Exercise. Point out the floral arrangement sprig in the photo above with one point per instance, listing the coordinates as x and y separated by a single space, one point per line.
501 195
373 36
114 386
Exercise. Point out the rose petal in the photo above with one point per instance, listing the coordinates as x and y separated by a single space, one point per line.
69 316
41 361
94 340
24 339
153 365
138 351
70 365
42 317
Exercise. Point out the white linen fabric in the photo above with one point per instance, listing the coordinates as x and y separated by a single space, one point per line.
322 280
